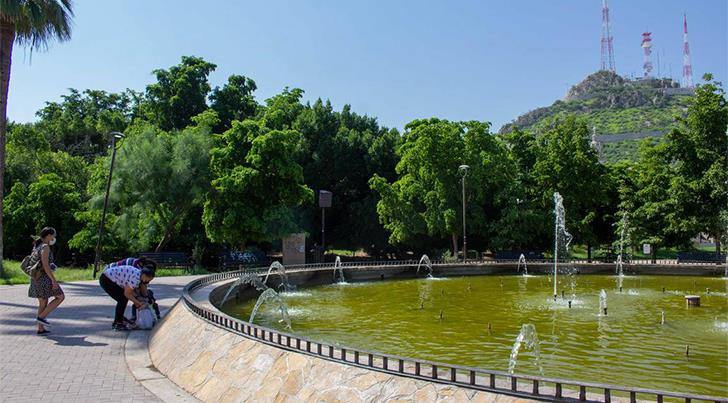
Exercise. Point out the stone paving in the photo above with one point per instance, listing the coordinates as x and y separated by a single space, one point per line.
82 360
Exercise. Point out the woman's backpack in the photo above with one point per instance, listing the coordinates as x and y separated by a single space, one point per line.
31 264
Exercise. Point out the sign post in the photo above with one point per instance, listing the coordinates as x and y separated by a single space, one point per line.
324 202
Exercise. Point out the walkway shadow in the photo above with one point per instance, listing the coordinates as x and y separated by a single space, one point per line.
32 305
74 341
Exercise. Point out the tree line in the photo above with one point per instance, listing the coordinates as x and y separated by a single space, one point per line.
203 168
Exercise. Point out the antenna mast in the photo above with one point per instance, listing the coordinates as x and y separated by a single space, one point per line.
687 67
607 47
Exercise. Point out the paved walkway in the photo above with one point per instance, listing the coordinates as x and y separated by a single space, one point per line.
82 360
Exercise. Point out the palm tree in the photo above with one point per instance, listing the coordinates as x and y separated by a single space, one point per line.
32 23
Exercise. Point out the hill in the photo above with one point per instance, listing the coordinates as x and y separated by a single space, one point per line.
614 105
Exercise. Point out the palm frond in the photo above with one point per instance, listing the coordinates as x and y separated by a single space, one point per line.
37 22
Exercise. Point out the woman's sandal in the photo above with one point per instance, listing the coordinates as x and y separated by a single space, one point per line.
42 332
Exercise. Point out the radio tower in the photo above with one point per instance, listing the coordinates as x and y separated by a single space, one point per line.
607 50
687 67
647 46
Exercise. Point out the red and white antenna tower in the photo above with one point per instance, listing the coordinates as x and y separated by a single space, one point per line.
607 49
647 47
687 67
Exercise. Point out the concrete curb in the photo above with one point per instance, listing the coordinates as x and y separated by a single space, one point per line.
136 353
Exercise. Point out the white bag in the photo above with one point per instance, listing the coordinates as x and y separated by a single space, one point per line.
145 318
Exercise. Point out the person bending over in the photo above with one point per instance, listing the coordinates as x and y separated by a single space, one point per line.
119 282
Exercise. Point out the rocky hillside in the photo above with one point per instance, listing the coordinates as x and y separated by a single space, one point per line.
611 105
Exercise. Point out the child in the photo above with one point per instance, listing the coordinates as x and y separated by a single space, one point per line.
149 298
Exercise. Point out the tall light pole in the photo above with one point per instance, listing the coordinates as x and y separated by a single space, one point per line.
463 170
114 136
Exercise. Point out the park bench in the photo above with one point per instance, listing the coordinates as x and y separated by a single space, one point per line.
609 257
170 259
514 255
700 257
241 259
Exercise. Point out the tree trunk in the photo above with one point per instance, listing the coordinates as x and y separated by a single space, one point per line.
717 242
455 245
170 228
654 254
588 252
7 38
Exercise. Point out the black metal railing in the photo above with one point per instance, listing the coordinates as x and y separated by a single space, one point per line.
528 386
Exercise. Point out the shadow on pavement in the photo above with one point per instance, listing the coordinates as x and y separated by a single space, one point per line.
74 341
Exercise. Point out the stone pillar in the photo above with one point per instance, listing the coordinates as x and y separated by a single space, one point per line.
294 249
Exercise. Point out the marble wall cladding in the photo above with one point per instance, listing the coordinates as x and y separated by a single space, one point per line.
218 366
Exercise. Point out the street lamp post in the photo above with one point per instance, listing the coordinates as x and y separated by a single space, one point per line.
463 169
114 137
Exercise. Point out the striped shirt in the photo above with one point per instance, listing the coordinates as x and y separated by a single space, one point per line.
124 276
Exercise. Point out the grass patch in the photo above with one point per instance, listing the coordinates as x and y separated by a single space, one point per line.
13 275
347 252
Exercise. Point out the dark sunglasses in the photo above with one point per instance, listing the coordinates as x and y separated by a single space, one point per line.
145 282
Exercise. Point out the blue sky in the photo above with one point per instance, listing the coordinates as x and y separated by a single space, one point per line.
395 60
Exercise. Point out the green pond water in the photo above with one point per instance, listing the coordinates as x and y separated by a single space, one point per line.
628 347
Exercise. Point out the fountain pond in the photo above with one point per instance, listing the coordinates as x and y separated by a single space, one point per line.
473 321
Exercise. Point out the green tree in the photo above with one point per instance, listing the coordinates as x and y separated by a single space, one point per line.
698 147
649 192
159 179
50 201
567 164
234 101
426 198
32 23
89 216
29 156
257 185
179 94
531 223
81 122
19 223
340 151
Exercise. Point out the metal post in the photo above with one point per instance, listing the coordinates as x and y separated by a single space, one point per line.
556 252
464 170
323 234
465 236
114 136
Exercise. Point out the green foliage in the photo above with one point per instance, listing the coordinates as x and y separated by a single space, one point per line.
648 194
29 156
181 184
426 200
234 101
567 164
698 147
256 185
81 122
179 93
158 179
37 22
339 152
49 201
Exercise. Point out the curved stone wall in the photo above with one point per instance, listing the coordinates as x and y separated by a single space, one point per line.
216 365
